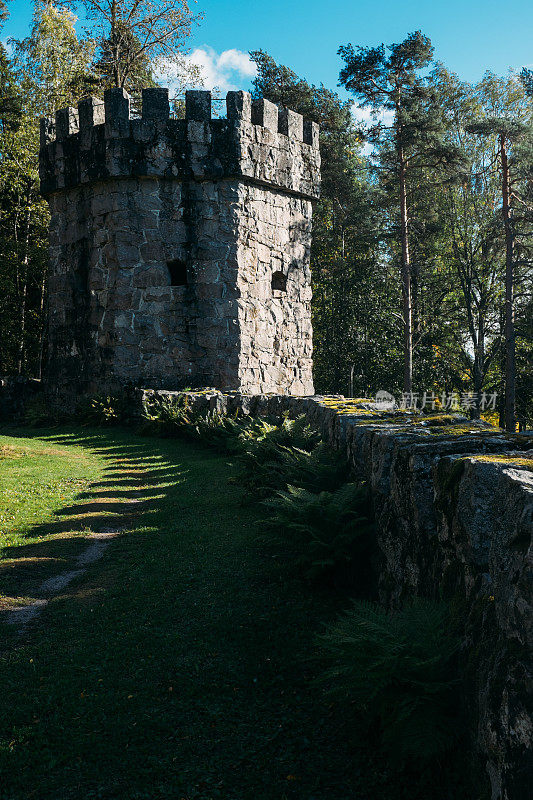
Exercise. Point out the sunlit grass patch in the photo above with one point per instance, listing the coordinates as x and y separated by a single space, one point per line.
37 479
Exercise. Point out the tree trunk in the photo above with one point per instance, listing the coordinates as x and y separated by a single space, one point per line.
406 281
479 363
42 326
24 290
510 366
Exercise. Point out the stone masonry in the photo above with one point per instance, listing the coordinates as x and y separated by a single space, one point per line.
453 508
179 248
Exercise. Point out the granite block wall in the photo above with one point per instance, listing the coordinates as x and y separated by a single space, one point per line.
179 249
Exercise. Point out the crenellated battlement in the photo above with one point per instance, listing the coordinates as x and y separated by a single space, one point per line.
256 142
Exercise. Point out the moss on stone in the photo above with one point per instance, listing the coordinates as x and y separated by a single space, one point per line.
507 460
460 429
439 419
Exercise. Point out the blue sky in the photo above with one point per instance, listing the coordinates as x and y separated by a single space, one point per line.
470 36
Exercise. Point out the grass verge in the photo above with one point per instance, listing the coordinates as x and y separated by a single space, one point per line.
176 667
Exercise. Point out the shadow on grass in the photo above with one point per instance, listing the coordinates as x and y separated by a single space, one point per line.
179 666
137 478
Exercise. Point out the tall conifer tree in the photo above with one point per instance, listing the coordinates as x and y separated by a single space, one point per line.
391 81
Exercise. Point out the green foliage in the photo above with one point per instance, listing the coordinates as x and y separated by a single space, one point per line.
166 415
263 441
370 73
340 143
53 64
271 455
319 469
49 70
398 669
353 298
171 415
10 100
322 530
410 148
137 38
274 456
118 49
104 410
221 431
526 76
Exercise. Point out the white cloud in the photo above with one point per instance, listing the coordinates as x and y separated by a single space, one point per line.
368 117
204 68
237 61
226 71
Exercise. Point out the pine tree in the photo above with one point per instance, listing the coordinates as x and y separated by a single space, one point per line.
526 76
414 142
140 73
354 332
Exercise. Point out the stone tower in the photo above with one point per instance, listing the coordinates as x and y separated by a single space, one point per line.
179 248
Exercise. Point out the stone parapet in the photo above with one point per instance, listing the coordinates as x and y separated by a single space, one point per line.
100 140
453 504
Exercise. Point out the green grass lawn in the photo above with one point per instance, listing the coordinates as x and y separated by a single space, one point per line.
178 666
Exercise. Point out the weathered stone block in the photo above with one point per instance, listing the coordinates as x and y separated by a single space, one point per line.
67 123
117 106
265 113
155 105
239 106
198 105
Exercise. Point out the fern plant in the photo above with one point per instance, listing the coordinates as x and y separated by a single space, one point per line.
399 669
321 469
263 440
219 431
289 453
104 410
167 415
321 530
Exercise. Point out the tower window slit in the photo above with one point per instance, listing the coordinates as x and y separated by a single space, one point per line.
177 270
279 281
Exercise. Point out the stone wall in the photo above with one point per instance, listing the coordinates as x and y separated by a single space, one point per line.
454 516
275 335
179 248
